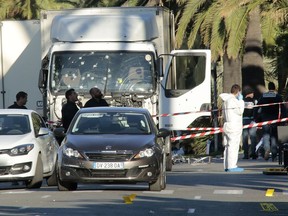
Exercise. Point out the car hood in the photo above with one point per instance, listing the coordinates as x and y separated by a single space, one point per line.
111 142
10 141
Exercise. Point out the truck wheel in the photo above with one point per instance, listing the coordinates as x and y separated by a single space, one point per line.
37 180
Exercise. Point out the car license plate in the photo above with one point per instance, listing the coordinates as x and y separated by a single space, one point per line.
108 165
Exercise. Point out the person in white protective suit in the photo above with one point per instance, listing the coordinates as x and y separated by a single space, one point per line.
233 108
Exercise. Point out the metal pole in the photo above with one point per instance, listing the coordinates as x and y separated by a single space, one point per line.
215 108
2 67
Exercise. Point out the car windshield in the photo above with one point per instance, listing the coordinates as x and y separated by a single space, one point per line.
14 124
111 123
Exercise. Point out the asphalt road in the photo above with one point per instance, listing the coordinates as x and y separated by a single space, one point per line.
197 188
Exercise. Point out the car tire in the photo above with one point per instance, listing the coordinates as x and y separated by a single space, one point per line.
52 180
37 180
163 173
169 162
161 181
67 186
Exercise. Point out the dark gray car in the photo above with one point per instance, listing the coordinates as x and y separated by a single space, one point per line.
112 144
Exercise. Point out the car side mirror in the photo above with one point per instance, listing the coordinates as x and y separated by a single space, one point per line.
43 131
163 132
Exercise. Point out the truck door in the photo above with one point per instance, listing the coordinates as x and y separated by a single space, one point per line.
185 91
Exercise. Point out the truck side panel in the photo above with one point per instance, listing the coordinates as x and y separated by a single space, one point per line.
20 62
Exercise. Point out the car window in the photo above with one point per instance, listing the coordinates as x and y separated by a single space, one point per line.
14 124
111 123
37 123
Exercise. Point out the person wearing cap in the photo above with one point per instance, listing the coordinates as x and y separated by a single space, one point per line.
248 118
97 99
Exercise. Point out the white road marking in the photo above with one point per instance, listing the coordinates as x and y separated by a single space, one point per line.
17 192
45 196
197 197
88 191
190 211
160 192
228 192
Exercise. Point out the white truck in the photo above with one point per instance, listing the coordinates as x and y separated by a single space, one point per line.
122 50
20 62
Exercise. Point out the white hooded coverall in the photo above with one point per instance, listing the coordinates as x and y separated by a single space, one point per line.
232 112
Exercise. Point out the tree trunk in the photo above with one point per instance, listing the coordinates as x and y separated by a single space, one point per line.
232 73
252 65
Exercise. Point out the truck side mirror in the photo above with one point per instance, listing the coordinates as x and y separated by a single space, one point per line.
160 67
42 81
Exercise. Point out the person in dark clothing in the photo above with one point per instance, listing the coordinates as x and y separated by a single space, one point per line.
267 113
96 98
248 118
70 108
21 100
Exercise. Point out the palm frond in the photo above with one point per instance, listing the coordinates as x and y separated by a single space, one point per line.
191 8
237 23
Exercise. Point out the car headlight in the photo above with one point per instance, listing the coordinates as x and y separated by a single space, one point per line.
149 152
72 153
21 150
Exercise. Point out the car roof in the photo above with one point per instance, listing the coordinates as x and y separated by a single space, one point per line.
114 109
17 111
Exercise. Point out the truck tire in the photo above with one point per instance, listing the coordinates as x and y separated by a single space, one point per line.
37 180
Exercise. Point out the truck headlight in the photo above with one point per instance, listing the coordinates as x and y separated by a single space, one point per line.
21 150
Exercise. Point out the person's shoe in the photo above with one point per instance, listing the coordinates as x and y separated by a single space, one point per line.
236 169
267 155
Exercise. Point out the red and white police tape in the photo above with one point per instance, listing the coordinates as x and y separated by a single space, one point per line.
220 130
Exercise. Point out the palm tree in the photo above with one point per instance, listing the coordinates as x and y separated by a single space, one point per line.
222 26
27 9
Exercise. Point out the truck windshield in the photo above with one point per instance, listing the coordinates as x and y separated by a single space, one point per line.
112 72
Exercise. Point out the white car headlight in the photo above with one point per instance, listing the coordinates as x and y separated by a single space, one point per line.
149 152
71 153
21 150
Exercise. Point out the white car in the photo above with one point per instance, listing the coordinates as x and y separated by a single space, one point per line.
28 149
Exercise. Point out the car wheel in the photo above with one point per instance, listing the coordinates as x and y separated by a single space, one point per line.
37 180
65 185
52 180
161 181
169 161
163 173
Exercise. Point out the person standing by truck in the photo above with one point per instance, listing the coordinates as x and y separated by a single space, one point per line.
248 118
97 99
21 100
233 107
70 108
270 107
